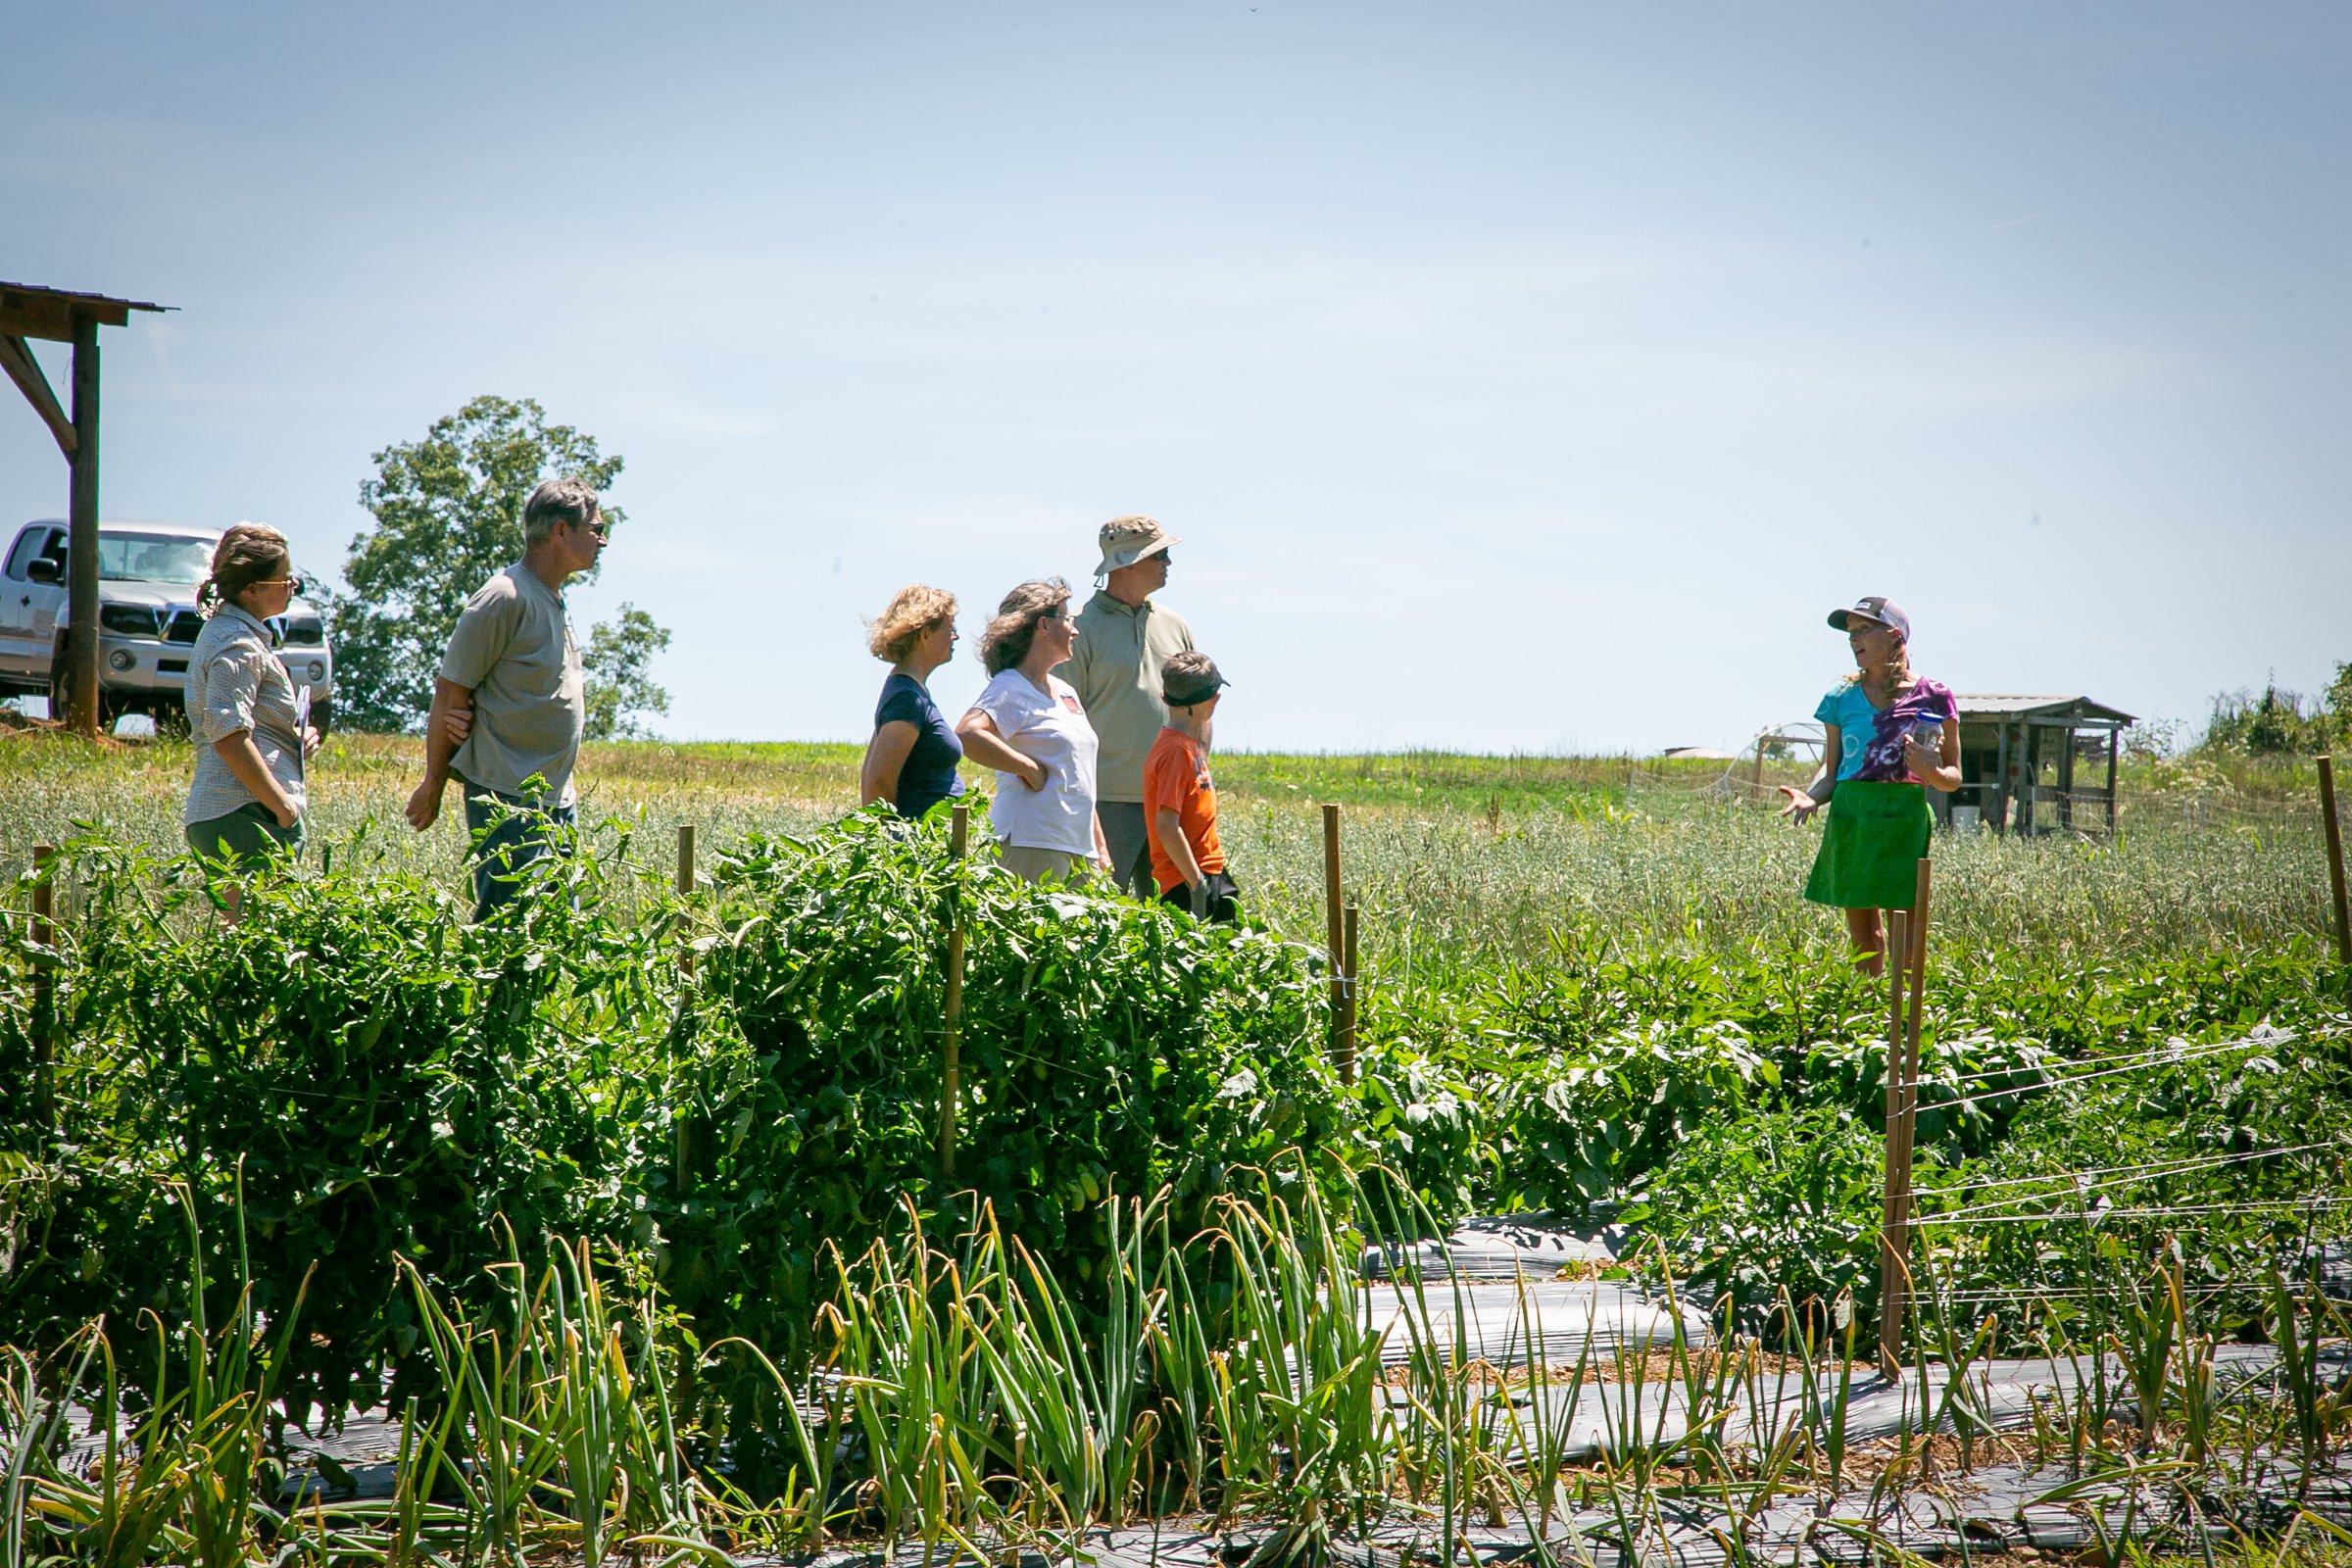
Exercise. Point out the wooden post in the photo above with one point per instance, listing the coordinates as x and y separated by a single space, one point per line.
1760 762
950 1087
44 935
1354 995
2115 747
1893 1257
2066 780
684 1156
1336 934
2336 862
684 883
80 663
233 904
2006 785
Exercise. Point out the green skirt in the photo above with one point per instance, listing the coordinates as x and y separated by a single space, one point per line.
1871 849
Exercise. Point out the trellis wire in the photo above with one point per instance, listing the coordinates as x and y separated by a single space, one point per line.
2096 1216
2194 1054
2123 1176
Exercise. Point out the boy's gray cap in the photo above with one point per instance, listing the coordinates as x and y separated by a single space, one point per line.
1128 540
1193 689
1873 606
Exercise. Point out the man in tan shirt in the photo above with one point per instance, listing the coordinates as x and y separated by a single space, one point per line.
1123 640
510 700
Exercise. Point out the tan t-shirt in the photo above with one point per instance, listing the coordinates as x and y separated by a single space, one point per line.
1115 669
514 649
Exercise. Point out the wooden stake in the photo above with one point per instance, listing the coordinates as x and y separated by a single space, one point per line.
2336 862
1893 1261
1760 762
44 935
951 1088
1337 933
1355 994
683 1153
233 904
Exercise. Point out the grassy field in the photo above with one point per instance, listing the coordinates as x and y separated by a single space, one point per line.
1453 858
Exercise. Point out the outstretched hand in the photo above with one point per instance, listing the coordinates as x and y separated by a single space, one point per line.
1802 804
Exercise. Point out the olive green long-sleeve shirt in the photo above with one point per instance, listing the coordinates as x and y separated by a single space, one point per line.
1115 669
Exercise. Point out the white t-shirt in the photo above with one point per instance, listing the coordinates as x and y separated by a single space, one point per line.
1054 731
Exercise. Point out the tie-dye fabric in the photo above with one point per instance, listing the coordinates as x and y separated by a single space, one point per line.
1872 745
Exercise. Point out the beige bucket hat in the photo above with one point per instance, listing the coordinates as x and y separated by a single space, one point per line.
1128 540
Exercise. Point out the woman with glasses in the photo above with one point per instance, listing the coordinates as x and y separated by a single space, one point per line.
251 726
910 762
1888 737
1031 730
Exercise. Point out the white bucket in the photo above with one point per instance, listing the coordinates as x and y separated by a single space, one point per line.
1967 818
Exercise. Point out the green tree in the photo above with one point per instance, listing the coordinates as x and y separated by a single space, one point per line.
619 685
448 513
2277 724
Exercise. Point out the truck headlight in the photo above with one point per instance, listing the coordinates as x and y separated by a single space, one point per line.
317 670
121 659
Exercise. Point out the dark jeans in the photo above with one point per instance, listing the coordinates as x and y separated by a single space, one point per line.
1130 847
1224 898
508 833
246 836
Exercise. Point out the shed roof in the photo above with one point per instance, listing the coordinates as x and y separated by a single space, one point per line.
27 310
2010 705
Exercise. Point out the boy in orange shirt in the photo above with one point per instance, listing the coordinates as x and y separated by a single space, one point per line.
1180 800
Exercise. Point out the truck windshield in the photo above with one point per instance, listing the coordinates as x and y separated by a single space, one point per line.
153 558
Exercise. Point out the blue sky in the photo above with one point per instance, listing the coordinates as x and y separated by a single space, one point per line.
1518 377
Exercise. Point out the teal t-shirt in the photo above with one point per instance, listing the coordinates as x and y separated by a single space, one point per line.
1871 745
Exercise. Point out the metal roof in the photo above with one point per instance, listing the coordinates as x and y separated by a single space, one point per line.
2010 705
27 310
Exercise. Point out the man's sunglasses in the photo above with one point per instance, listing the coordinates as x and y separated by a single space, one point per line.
599 527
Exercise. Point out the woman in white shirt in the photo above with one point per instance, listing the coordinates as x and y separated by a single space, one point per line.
1031 728
250 723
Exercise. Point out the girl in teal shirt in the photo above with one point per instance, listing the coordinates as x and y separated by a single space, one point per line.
1888 736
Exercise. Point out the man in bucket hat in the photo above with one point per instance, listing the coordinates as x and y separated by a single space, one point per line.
1123 641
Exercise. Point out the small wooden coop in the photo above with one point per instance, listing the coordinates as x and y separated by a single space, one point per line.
2036 765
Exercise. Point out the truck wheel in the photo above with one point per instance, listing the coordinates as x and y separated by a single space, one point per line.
322 715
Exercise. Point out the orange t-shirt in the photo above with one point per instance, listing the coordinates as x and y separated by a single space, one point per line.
1176 778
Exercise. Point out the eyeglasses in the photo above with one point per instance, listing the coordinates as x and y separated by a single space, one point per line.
275 582
597 527
1062 613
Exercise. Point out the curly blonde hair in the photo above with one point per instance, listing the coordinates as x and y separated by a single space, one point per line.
1007 641
249 553
915 611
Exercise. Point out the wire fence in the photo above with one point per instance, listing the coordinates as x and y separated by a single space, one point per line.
1741 783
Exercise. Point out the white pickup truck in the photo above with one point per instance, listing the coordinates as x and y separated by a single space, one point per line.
147 619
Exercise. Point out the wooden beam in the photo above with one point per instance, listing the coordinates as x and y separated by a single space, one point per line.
51 318
25 370
81 550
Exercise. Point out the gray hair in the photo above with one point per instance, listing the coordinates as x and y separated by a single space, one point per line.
571 501
1007 641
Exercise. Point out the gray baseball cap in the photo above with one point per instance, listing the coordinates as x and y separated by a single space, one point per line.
1873 606
1195 678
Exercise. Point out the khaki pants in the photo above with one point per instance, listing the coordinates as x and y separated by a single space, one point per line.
1044 866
